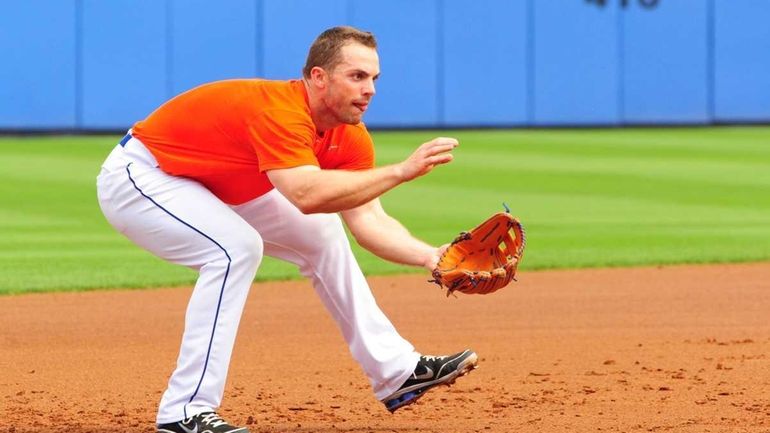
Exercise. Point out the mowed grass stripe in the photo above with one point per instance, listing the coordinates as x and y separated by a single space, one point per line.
613 197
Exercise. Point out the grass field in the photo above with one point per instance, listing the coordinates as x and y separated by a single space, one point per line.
588 198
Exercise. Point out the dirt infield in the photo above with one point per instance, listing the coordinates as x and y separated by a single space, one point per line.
681 349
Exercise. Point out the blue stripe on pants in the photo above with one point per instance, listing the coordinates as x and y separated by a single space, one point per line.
221 290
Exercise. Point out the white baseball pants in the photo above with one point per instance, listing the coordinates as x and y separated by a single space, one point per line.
182 222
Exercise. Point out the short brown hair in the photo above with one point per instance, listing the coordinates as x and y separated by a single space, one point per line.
325 51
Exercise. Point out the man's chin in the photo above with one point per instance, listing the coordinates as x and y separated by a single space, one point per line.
352 120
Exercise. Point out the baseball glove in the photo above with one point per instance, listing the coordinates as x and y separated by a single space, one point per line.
483 260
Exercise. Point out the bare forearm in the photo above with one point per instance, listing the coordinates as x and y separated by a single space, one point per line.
324 191
389 240
328 191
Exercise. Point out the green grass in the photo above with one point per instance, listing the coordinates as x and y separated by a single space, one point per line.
588 198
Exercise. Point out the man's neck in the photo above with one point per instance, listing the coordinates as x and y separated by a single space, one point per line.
320 115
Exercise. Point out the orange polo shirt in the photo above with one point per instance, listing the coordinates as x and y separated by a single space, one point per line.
226 134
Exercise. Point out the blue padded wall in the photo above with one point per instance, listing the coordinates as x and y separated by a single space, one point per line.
407 34
125 56
484 68
290 26
576 61
210 42
742 60
98 64
38 70
665 62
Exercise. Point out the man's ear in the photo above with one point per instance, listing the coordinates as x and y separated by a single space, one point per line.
319 77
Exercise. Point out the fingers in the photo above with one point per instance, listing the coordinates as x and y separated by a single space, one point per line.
445 141
438 151
427 156
439 159
435 150
440 145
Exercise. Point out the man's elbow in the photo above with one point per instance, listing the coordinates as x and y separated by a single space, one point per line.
362 241
308 204
305 205
299 187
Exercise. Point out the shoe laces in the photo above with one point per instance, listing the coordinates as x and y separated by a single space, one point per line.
433 358
212 419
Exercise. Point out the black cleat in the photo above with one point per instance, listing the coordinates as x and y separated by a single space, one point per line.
431 371
207 422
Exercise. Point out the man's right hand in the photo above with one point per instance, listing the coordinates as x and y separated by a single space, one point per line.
428 155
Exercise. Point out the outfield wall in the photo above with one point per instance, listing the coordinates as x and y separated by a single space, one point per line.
103 64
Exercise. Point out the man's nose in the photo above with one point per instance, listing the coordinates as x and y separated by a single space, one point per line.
369 89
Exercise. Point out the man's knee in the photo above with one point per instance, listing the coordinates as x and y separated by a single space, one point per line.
247 249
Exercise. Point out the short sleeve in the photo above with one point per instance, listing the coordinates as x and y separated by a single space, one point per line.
282 139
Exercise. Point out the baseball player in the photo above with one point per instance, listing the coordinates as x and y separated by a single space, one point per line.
230 171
